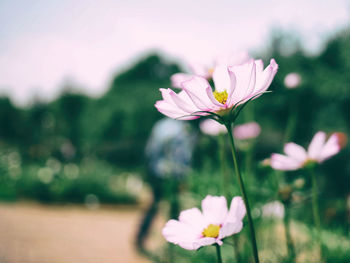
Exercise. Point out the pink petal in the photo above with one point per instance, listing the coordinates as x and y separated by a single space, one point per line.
264 79
178 78
213 100
194 218
214 209
222 79
246 131
295 151
212 127
316 145
332 147
181 234
245 81
184 103
196 89
172 111
204 241
200 70
230 228
284 163
237 210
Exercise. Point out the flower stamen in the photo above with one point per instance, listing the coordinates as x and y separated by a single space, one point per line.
221 96
211 231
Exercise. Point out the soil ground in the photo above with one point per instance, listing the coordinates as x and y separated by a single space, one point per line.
34 233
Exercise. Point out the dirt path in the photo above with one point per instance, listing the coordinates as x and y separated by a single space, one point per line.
32 233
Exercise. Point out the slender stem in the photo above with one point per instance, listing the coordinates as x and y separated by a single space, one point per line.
225 188
315 210
223 167
293 118
289 240
218 253
244 194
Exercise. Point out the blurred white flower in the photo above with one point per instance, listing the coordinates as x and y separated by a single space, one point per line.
205 71
92 202
292 80
212 127
246 131
45 175
71 171
273 209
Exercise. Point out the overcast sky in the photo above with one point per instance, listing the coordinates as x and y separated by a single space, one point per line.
44 44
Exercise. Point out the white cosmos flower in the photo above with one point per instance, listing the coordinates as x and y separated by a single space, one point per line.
196 228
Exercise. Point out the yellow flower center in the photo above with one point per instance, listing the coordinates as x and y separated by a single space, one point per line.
211 71
211 231
221 96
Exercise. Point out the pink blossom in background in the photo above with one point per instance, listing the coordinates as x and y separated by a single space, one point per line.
234 86
195 229
206 71
212 127
292 80
246 131
319 150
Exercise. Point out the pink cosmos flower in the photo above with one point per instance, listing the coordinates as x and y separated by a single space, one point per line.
234 86
319 150
292 80
247 131
206 72
195 229
212 127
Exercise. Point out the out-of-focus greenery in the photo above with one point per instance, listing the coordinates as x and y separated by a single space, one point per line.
82 149
112 131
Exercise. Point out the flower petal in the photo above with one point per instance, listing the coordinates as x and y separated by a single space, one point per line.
284 163
295 151
212 127
222 79
332 147
196 89
181 234
182 101
214 209
178 78
237 210
245 81
172 111
230 228
264 78
316 145
194 218
204 241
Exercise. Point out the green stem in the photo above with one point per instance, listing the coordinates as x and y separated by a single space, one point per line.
289 240
244 194
218 253
315 210
292 120
224 174
225 187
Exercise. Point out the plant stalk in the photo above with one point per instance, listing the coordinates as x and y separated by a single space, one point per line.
244 194
218 253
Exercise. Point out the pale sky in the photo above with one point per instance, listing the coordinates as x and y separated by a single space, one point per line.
44 44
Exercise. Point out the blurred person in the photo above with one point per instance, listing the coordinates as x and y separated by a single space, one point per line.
168 153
